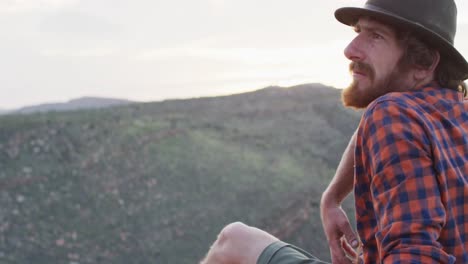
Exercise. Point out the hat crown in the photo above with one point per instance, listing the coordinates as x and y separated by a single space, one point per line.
439 16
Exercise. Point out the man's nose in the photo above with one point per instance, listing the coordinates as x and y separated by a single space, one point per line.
354 50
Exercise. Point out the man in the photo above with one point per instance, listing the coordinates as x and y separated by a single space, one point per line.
410 149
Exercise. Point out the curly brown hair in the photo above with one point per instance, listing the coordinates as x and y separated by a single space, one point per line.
419 52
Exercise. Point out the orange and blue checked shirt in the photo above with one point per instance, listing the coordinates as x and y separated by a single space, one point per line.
411 178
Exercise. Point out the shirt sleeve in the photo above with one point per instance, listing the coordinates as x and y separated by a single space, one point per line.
410 215
280 252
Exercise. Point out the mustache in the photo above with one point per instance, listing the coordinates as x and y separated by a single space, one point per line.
362 67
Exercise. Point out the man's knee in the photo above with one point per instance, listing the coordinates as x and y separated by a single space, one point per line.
238 243
232 231
223 249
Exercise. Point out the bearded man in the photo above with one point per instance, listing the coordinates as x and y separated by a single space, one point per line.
410 152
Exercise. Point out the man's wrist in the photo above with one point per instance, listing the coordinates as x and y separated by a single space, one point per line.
329 199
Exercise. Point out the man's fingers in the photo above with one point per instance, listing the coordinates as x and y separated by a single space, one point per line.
349 234
349 251
337 254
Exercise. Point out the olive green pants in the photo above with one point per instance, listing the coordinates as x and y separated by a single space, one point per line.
283 253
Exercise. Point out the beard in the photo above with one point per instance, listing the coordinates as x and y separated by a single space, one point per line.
357 97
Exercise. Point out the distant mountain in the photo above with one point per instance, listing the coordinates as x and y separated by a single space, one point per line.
155 182
75 104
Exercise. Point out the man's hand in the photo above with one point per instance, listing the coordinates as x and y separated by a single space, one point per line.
341 238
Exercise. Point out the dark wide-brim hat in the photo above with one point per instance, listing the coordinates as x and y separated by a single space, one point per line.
434 21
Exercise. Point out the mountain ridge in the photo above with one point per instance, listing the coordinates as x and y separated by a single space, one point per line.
95 102
86 102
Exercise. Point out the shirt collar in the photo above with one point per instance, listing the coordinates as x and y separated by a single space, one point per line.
433 92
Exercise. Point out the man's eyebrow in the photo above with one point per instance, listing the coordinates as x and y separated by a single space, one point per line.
382 29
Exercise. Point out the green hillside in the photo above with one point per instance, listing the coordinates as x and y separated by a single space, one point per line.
155 182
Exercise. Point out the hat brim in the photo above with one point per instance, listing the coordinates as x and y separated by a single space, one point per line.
350 16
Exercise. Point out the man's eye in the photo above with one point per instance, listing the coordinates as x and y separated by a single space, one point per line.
376 36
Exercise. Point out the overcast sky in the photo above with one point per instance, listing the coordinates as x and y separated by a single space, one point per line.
56 50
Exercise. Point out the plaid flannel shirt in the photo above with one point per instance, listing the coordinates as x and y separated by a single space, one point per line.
411 178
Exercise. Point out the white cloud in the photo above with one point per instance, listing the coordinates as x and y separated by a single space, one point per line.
17 6
218 3
70 53
323 62
252 56
78 25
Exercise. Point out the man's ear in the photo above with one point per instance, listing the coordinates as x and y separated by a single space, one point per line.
422 73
